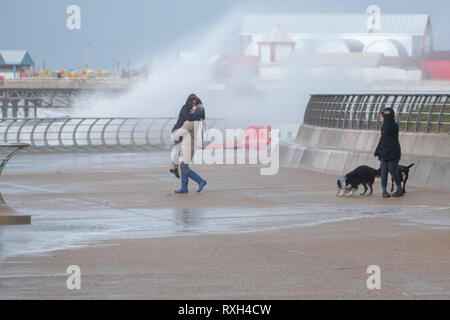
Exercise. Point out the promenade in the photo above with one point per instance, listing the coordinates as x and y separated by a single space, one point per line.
246 236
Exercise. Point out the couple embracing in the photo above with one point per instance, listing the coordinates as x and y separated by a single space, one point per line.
184 136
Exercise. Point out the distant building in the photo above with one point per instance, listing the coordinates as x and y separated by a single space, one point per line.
392 50
400 35
275 46
13 61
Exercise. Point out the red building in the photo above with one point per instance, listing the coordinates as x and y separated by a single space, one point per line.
436 65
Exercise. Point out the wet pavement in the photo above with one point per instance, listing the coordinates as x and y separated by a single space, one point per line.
79 199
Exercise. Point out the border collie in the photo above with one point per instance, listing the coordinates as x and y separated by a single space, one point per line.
362 175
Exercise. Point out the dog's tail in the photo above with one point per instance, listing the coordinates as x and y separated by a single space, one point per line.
411 165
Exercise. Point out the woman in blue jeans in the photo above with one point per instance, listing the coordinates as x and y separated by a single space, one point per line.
389 152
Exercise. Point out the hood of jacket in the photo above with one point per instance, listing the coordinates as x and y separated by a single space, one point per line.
391 113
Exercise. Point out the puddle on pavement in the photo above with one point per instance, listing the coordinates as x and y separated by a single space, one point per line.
58 229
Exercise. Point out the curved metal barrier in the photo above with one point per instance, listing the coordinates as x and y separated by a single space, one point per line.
7 151
47 134
414 112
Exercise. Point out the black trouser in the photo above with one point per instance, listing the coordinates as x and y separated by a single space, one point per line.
390 166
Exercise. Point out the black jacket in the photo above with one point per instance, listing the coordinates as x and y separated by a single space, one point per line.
185 114
389 147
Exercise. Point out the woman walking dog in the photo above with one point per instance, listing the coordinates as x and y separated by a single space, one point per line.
185 135
389 152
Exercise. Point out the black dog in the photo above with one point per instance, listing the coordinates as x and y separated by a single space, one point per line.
403 173
362 175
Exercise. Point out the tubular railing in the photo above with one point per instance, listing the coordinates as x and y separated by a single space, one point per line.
414 112
47 134
7 151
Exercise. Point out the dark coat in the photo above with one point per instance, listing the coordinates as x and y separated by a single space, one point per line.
389 147
185 114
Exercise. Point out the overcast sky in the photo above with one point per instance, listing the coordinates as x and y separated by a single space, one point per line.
142 29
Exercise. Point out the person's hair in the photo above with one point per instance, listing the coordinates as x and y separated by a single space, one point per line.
197 99
191 99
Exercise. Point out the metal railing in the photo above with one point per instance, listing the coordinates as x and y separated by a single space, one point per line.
59 134
414 112
7 151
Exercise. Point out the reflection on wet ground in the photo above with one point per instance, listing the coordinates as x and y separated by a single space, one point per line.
58 229
66 213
